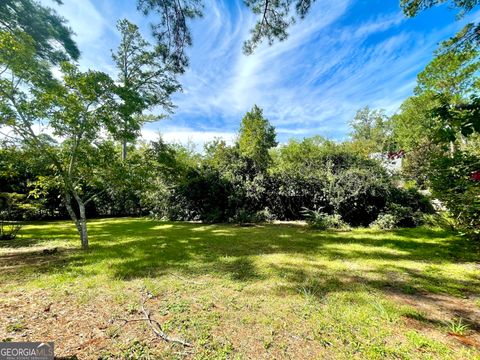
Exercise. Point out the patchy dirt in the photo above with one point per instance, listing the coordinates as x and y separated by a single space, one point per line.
438 310
89 330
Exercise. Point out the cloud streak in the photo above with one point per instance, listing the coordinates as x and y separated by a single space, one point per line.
344 55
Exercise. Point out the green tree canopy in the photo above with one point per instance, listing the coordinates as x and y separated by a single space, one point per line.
469 35
413 7
77 110
52 38
371 128
256 137
145 80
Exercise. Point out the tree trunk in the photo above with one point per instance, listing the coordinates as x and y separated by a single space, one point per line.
81 221
83 226
84 234
71 212
124 150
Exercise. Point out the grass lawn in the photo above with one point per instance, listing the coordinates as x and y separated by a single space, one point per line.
263 292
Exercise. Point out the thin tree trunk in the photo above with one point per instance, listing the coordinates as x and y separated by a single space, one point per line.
84 233
71 212
81 220
83 224
124 150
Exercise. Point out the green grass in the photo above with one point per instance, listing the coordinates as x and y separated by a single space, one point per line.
245 292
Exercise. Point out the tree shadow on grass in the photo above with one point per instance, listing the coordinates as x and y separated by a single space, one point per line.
42 233
140 248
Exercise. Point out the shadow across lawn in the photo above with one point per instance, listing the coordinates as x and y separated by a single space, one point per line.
140 248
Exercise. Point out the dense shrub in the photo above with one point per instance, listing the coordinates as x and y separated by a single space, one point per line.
385 222
404 208
440 219
227 186
204 196
454 183
359 195
319 220
173 182
9 229
288 194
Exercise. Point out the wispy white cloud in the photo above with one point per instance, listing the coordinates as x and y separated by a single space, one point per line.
185 135
94 32
316 79
277 78
341 57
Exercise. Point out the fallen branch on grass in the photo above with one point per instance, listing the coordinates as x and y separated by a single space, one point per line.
154 324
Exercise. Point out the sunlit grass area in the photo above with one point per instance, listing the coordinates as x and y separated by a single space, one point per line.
268 291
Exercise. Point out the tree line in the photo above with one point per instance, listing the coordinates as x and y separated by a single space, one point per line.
63 134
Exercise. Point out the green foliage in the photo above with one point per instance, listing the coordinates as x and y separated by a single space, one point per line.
51 36
145 80
413 7
206 195
458 327
457 121
9 229
439 127
172 32
468 36
15 206
440 219
405 207
452 78
78 108
372 129
11 205
385 222
171 29
256 137
414 126
452 73
318 220
452 183
360 194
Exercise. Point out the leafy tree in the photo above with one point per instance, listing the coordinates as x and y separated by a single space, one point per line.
52 38
20 166
452 180
451 80
414 124
468 36
413 7
372 129
275 16
78 108
145 80
256 137
438 125
171 30
452 73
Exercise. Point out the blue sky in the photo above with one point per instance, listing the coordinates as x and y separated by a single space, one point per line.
345 55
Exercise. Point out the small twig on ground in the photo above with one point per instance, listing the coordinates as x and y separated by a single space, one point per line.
157 328
154 324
